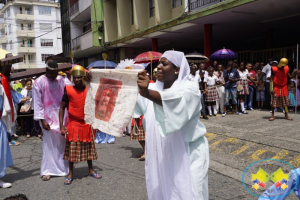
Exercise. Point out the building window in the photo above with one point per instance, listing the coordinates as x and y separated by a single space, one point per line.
151 8
132 13
177 3
44 56
43 10
47 42
46 27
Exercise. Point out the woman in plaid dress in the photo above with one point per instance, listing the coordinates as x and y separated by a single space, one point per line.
211 91
242 85
80 144
138 134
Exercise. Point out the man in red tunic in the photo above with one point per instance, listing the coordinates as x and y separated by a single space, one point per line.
80 144
279 87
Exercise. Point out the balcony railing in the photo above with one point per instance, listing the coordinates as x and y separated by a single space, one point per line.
76 43
25 12
27 45
25 28
74 8
199 4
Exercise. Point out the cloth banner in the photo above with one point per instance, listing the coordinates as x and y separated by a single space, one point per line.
110 100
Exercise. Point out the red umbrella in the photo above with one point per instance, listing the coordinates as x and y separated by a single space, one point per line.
146 57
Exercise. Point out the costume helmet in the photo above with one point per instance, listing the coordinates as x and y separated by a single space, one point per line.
78 70
283 62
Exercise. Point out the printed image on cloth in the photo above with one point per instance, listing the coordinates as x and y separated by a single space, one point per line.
111 98
106 97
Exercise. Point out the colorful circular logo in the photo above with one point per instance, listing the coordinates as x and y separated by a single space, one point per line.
270 179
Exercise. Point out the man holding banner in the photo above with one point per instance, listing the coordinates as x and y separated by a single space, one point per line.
80 144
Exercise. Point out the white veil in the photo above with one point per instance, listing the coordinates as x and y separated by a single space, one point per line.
178 59
167 158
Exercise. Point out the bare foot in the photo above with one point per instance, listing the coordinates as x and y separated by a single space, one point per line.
46 177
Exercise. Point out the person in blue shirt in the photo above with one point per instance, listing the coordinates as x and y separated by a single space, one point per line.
231 76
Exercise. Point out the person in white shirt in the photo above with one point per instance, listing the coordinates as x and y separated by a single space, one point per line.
193 76
211 91
266 71
242 85
220 88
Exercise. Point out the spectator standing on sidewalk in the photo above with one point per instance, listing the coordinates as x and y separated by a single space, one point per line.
220 89
231 76
267 72
252 77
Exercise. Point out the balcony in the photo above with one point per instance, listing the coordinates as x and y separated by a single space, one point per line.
195 5
27 48
81 10
27 64
3 39
25 15
85 41
25 32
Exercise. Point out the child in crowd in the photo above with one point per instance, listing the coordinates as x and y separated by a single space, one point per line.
212 93
292 95
260 91
203 93
220 88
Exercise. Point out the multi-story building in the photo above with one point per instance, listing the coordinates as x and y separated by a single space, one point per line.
256 29
31 28
81 24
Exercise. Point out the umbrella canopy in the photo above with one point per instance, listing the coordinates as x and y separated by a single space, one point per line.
100 64
3 53
145 57
197 56
224 53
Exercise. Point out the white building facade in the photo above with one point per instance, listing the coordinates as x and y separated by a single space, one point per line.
32 29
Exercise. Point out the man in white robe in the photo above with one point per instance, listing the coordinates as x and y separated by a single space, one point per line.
47 94
176 149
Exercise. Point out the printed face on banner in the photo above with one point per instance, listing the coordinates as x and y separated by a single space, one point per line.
106 97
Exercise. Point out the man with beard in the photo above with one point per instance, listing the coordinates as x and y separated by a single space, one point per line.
47 93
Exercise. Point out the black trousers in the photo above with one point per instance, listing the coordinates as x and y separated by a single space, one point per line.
268 96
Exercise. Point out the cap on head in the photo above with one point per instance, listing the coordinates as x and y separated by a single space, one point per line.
283 62
78 70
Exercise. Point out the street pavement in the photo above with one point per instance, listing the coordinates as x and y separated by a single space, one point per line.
234 141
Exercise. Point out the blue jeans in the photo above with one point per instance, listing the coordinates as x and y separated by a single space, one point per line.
233 93
249 98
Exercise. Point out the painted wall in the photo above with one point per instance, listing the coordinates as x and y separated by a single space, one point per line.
124 17
110 22
97 16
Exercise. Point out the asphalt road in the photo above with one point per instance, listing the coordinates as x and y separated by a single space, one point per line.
235 142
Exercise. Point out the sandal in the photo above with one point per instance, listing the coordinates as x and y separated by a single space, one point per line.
289 118
69 181
271 119
96 175
142 158
46 177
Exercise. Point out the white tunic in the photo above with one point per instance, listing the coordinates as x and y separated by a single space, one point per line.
47 99
176 149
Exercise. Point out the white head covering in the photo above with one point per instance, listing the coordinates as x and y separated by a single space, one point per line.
178 59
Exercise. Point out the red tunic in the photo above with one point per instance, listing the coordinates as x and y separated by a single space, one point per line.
77 128
280 81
